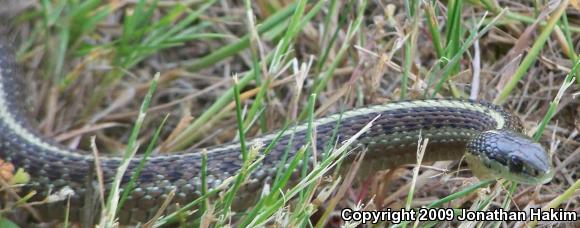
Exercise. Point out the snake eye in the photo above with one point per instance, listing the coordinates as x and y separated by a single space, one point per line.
516 164
535 172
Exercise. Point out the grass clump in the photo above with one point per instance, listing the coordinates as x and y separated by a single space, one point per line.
296 61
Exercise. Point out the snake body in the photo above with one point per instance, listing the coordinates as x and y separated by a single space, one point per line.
491 136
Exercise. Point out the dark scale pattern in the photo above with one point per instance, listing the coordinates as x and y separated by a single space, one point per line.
390 134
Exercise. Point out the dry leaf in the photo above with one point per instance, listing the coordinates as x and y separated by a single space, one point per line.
575 4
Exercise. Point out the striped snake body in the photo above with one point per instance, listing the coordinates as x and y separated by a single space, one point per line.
491 136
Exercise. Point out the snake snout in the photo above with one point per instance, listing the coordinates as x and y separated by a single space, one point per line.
510 155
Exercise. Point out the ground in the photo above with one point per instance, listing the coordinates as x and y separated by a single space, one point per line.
88 66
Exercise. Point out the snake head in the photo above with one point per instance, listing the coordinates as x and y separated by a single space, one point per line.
509 155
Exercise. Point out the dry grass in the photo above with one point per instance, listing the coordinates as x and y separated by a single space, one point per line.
368 68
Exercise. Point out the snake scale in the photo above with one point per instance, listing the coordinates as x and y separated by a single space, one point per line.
490 138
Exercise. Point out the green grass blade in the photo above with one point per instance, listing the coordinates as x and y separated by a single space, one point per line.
532 55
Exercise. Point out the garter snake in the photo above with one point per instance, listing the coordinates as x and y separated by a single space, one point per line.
490 138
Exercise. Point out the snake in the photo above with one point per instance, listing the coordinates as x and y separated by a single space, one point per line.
491 139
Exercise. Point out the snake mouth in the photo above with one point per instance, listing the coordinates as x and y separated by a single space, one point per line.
485 168
524 178
530 178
